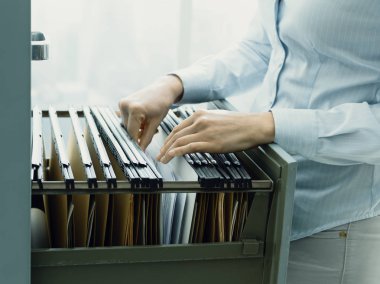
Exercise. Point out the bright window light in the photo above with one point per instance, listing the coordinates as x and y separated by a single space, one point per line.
103 50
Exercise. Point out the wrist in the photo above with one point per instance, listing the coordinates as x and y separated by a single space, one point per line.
263 130
268 127
172 87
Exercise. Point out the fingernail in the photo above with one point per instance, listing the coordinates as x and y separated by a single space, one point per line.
163 159
167 157
160 154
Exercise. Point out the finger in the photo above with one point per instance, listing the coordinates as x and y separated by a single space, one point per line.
147 134
123 112
124 120
186 149
175 137
169 142
185 123
134 125
184 140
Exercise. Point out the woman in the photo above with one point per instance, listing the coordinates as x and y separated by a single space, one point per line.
317 64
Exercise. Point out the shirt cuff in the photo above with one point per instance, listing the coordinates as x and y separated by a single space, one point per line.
296 130
195 83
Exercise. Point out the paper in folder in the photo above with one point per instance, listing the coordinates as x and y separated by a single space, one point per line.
91 149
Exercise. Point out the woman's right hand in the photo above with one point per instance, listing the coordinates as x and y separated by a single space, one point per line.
143 111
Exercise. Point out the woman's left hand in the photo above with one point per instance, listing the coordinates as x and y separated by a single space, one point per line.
217 131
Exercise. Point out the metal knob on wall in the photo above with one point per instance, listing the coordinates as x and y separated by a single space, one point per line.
40 47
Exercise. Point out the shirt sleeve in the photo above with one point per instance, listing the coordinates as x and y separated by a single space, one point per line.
230 72
344 135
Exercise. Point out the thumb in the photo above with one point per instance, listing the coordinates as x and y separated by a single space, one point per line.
134 125
123 112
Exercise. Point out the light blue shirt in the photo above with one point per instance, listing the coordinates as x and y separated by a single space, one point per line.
317 64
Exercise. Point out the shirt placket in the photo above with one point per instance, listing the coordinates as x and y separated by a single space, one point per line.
278 52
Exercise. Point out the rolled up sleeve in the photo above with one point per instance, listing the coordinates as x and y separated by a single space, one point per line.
230 72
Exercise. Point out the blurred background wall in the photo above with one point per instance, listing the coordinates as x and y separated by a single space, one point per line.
102 50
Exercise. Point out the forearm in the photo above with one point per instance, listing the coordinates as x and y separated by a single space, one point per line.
230 72
170 85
